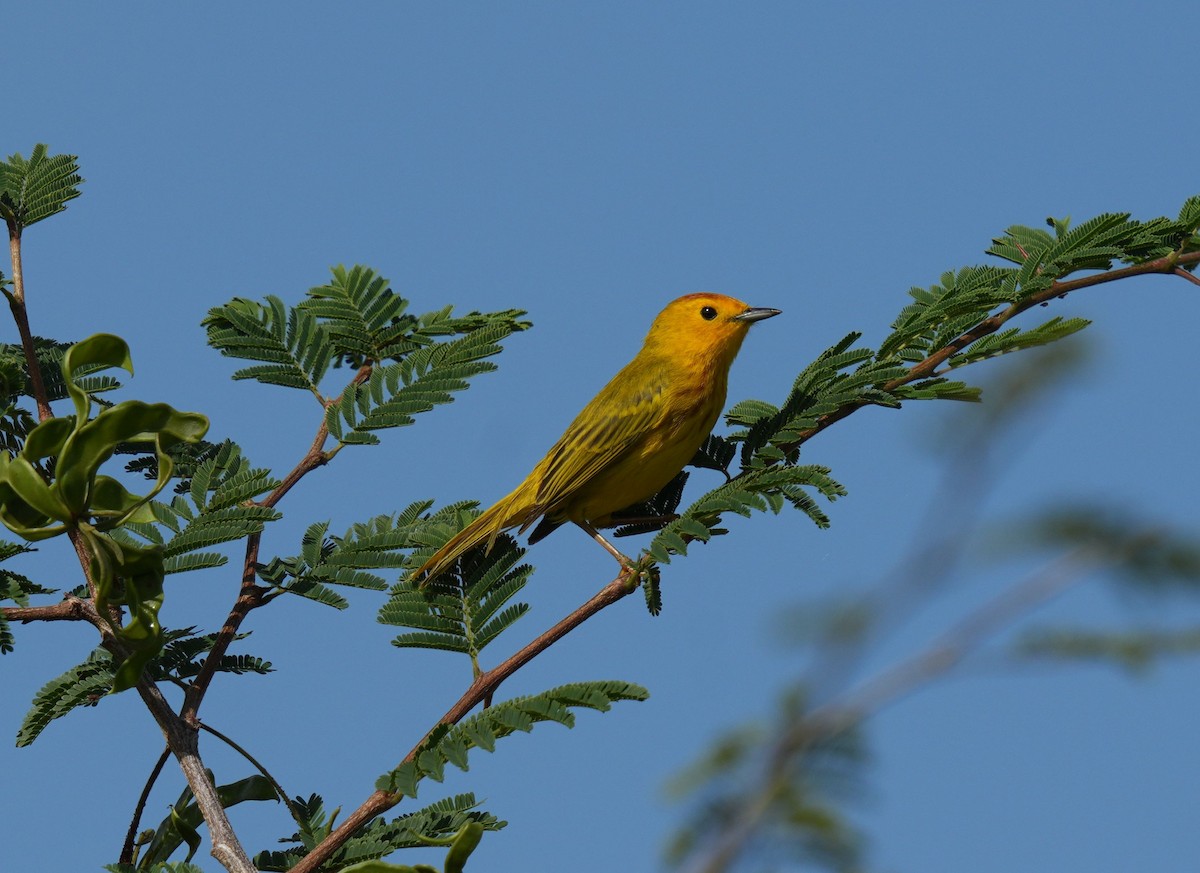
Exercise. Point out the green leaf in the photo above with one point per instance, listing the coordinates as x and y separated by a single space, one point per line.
365 319
392 395
34 189
465 608
481 730
294 348
754 490
82 685
1014 340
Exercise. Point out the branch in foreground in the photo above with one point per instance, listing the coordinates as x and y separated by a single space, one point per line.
481 689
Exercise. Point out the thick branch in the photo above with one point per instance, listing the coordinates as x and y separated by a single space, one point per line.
482 688
182 739
69 609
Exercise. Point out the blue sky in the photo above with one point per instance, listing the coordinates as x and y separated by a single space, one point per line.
588 163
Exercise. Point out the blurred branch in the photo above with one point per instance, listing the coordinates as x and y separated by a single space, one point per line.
853 707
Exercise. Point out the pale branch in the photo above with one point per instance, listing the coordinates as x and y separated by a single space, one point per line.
481 689
16 302
486 683
182 738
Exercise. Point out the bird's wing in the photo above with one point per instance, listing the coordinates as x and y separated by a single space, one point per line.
609 427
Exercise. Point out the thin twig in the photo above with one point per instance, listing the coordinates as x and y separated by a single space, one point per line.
250 594
1187 274
135 823
16 302
283 795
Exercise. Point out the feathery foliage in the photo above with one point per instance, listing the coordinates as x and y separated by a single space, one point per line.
82 685
182 656
376 544
179 659
217 508
1134 651
36 188
358 320
450 744
463 609
435 824
392 395
294 350
16 588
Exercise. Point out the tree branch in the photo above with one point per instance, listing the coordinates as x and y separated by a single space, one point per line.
1168 265
69 609
482 688
183 740
135 822
250 594
16 302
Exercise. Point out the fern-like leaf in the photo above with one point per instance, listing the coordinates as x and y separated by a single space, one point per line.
450 745
365 319
294 348
762 489
394 394
466 607
82 685
36 188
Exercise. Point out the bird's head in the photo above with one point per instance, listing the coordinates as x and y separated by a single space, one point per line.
704 326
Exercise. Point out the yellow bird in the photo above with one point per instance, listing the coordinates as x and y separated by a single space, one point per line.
635 435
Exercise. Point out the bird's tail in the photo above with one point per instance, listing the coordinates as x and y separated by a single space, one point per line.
505 514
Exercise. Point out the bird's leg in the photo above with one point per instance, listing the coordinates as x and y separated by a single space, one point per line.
632 571
623 560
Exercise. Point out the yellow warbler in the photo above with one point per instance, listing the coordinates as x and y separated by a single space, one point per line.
635 435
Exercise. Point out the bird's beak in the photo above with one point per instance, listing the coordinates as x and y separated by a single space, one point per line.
756 313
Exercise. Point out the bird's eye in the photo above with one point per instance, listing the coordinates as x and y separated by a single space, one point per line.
708 313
